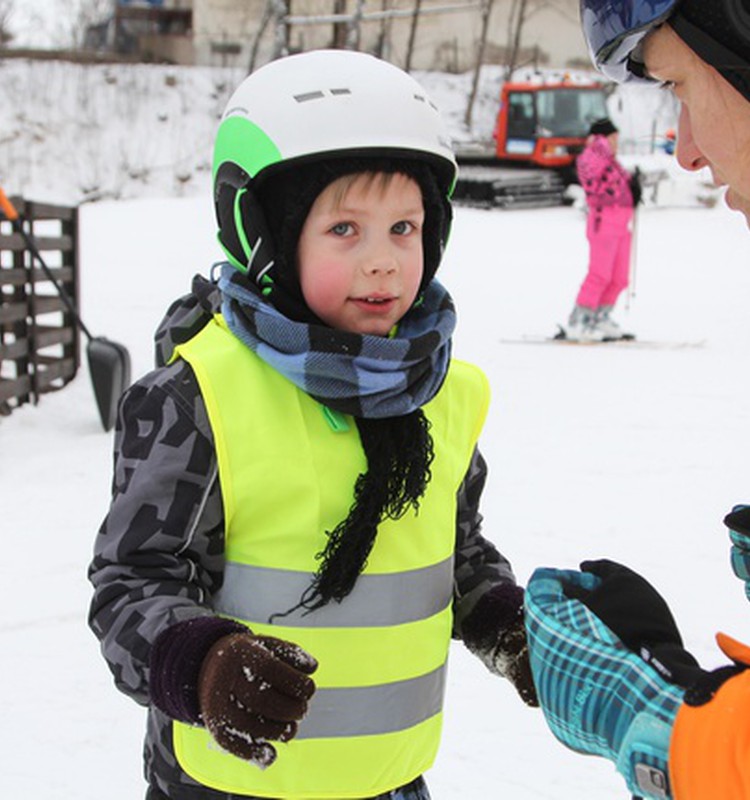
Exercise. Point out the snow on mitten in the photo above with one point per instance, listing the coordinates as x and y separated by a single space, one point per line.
495 632
511 659
252 689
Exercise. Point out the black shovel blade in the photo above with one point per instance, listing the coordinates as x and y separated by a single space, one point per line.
109 365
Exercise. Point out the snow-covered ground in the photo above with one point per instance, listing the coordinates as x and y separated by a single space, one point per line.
631 453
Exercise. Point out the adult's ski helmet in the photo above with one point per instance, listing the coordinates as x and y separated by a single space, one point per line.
325 106
716 30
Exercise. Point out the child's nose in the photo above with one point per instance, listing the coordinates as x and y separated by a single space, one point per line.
382 265
382 260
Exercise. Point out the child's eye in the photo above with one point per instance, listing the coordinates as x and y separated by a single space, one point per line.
342 229
403 227
668 85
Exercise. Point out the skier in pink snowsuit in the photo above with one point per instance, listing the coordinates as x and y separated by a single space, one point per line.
609 191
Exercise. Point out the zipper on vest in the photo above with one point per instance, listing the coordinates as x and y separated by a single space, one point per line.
336 420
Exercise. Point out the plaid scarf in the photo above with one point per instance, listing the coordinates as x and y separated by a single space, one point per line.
362 375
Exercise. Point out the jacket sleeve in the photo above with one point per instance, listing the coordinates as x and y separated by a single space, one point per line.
710 747
159 552
479 567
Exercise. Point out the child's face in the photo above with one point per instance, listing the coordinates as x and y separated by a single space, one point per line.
360 252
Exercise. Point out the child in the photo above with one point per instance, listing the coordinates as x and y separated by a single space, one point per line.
610 196
294 534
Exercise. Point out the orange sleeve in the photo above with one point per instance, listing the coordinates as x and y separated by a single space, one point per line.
709 756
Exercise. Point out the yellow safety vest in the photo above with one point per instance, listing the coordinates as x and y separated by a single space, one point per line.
287 468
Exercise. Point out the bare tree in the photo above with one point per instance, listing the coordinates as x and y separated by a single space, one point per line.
76 16
520 13
281 10
267 15
383 44
516 19
486 11
6 13
338 41
412 34
353 36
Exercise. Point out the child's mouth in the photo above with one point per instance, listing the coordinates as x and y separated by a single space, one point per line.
375 302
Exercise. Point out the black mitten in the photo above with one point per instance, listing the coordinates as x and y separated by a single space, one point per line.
511 659
632 608
636 188
495 632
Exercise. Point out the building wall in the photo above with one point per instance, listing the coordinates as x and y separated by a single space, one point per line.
226 31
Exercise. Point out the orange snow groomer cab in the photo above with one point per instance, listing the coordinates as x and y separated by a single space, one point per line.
547 123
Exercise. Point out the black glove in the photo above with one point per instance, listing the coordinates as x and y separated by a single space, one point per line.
630 607
635 187
634 610
254 688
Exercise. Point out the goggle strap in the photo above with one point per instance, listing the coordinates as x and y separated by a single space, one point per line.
711 51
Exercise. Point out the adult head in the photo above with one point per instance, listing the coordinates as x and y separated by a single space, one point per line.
700 50
297 125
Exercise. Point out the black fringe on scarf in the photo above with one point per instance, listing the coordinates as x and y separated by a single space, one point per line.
399 454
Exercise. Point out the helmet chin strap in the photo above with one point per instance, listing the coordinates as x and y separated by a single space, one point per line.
244 235
258 256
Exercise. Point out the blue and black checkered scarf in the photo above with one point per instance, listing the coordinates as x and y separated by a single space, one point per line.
373 377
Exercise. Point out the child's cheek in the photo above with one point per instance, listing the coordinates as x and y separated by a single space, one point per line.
325 284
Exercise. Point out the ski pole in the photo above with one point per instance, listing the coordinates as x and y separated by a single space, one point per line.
633 259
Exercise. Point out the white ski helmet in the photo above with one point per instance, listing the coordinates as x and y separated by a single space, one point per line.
317 106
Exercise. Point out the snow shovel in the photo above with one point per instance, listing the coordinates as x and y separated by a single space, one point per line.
109 362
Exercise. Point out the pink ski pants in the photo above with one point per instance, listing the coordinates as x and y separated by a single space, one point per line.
610 238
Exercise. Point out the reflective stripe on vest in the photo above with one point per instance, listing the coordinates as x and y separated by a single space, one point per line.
287 476
248 594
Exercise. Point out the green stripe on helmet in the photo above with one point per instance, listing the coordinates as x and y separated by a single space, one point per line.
241 142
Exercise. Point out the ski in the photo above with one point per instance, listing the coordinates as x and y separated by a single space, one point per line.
631 343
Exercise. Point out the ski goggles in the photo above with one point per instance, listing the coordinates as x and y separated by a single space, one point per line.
615 30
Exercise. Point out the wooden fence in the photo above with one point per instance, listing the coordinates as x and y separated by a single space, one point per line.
39 342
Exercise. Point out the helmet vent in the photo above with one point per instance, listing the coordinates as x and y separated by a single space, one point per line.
422 99
320 94
304 98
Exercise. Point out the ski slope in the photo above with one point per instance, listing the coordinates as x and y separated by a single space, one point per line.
633 454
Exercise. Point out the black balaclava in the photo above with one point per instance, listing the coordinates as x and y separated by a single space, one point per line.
287 197
602 127
719 32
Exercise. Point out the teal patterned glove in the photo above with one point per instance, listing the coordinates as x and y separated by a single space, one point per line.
597 696
738 523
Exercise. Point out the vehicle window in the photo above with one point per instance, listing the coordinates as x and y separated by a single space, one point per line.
569 112
521 119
